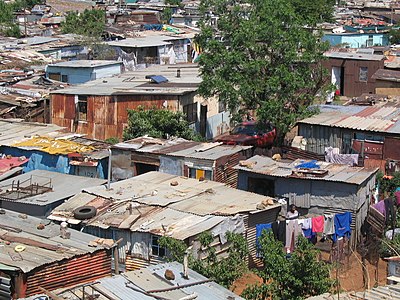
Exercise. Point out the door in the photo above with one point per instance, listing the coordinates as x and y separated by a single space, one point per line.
203 120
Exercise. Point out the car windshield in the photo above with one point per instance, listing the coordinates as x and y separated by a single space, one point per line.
245 129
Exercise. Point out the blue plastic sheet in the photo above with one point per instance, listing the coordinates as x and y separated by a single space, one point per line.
308 165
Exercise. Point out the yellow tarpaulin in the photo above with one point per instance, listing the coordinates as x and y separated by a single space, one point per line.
54 146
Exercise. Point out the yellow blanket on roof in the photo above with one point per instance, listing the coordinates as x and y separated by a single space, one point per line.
54 146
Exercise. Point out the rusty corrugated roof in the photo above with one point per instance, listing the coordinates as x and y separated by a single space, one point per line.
385 119
339 173
52 247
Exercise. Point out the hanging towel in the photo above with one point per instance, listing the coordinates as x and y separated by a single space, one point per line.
342 225
306 227
329 224
293 230
318 224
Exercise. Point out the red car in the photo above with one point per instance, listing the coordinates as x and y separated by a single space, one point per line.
250 134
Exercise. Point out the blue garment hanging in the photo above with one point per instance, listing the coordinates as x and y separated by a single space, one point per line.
259 230
342 225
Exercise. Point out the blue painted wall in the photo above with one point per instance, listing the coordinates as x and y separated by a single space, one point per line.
357 40
82 75
39 160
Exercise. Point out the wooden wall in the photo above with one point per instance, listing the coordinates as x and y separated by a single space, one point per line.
107 115
353 87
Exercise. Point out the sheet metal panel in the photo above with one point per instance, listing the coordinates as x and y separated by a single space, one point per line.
339 173
70 272
391 148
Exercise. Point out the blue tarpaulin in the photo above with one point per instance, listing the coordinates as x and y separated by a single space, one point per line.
308 165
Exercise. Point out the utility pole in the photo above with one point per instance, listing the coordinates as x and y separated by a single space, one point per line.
25 22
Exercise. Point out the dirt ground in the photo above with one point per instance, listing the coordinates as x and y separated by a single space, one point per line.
350 276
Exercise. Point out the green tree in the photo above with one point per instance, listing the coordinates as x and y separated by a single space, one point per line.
223 271
262 55
159 123
89 23
300 276
394 36
8 27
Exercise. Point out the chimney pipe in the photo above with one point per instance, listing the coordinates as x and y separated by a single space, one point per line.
178 73
186 264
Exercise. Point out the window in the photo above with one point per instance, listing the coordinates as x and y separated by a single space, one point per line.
370 40
197 173
55 76
155 247
221 107
82 108
363 76
64 78
190 111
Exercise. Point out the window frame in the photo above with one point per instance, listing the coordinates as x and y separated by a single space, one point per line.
191 112
156 249
81 113
194 173
363 74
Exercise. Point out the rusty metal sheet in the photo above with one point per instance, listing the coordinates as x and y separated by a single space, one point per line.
370 149
391 148
70 272
375 163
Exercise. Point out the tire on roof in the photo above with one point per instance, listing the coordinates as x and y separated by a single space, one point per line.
85 212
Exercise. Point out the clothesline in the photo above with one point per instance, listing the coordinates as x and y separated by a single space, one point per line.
334 226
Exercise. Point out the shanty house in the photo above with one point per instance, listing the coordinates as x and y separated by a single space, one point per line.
370 131
154 204
151 283
142 155
38 192
81 71
34 256
153 49
356 40
329 188
211 161
352 72
99 108
49 147
387 82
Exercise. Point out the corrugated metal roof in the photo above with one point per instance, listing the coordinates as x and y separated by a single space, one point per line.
12 131
209 151
380 292
135 285
356 56
339 173
375 118
194 196
131 83
388 75
85 63
64 185
142 42
147 144
149 203
33 257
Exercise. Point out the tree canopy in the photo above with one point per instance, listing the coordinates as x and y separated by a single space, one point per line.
223 271
300 276
159 123
89 23
394 36
263 55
